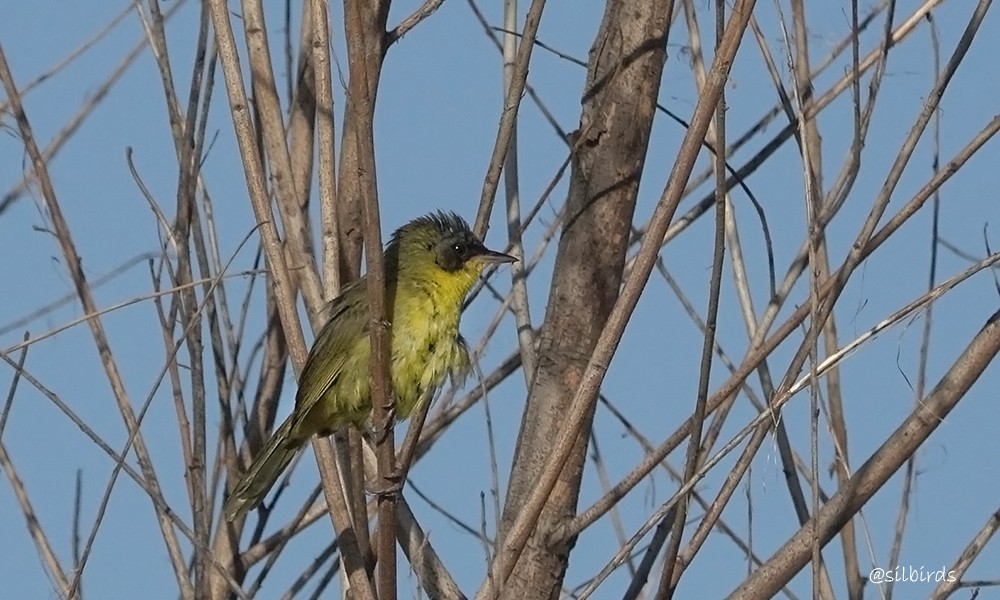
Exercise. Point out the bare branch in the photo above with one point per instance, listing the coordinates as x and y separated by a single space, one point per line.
870 477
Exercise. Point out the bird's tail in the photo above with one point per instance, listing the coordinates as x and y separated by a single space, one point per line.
268 465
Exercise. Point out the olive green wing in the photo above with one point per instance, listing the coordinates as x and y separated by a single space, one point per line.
331 350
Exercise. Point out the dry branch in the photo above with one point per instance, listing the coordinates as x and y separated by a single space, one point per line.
883 463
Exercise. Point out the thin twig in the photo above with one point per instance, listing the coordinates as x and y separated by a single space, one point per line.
970 553
872 475
48 556
75 268
508 118
425 10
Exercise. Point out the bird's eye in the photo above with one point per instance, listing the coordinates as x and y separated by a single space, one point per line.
454 255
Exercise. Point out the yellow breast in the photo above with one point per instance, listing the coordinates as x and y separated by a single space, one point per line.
426 346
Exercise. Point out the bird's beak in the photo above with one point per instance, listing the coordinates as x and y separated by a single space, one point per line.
492 257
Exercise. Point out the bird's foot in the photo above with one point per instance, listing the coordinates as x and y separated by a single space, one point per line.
389 485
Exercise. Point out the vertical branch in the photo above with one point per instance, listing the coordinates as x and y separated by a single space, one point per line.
190 148
256 182
325 133
713 511
797 120
302 124
188 143
350 214
272 131
802 75
668 581
809 143
362 103
837 420
518 270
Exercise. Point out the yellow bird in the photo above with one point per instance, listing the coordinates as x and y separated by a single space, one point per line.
431 264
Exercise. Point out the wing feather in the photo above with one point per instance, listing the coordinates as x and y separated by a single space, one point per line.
348 322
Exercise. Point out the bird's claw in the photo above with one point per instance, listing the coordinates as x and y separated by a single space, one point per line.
389 485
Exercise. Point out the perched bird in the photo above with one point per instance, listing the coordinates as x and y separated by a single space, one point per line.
431 264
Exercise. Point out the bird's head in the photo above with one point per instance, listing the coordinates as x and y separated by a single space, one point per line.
440 247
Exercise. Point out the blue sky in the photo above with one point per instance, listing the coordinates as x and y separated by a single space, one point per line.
438 109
